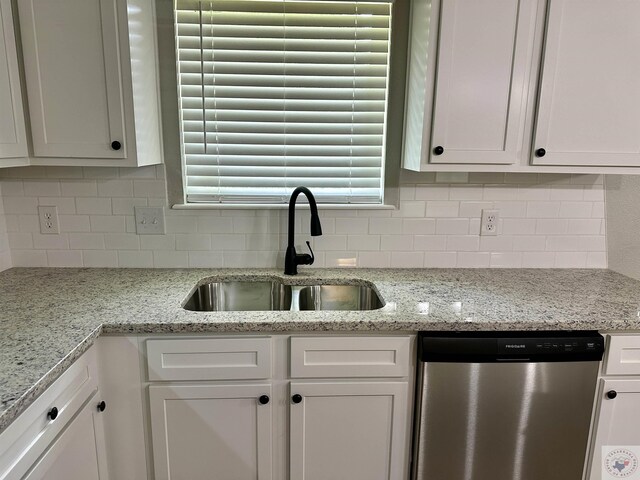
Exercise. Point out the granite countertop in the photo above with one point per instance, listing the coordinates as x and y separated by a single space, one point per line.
49 317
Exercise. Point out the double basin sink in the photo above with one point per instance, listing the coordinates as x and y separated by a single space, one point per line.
272 295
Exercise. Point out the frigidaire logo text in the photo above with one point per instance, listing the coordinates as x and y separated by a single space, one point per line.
515 345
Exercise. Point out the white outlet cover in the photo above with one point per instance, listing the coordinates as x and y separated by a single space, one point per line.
48 216
489 222
150 220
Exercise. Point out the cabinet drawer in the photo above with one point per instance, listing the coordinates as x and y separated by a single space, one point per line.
209 359
335 357
623 356
32 432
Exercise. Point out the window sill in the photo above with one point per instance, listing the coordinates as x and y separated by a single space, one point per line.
275 206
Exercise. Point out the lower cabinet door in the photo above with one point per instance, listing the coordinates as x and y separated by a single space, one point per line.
78 453
204 432
618 422
349 431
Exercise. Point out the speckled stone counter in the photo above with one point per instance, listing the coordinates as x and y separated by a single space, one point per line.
49 317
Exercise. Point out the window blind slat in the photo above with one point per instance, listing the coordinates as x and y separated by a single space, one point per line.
276 94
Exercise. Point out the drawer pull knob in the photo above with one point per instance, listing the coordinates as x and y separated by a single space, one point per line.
53 413
297 398
611 394
116 145
102 406
438 150
264 399
541 152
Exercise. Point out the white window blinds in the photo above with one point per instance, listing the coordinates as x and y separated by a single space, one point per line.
277 94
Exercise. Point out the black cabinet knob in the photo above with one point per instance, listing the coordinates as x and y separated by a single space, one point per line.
116 145
264 399
541 152
101 406
297 398
438 150
53 413
611 394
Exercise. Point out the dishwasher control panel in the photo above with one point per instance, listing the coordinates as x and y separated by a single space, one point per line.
511 346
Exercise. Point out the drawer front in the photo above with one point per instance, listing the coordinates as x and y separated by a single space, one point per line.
33 431
623 356
209 359
336 357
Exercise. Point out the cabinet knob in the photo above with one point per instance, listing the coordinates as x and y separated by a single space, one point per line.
438 150
297 398
53 413
102 406
541 152
116 145
264 399
611 394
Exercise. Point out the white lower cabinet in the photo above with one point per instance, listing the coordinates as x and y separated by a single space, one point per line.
325 408
617 422
78 453
211 431
348 431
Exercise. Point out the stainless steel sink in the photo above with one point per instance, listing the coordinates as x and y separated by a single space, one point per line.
240 296
339 297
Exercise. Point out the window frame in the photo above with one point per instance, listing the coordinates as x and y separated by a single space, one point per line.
168 79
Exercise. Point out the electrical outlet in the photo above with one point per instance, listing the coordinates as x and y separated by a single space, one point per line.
489 222
149 220
49 224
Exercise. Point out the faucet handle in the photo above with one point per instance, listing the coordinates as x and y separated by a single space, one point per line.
313 257
305 258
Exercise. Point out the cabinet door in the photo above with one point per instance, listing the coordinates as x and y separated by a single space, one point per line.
201 432
589 106
618 422
13 142
349 431
78 453
71 57
484 60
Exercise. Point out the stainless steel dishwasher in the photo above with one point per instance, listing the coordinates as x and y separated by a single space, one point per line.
504 406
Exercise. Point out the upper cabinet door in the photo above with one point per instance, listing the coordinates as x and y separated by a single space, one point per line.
589 106
72 68
13 142
484 60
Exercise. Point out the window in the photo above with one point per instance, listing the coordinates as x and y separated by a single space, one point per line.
275 94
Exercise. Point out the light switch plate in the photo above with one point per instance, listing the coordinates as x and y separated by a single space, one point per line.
150 220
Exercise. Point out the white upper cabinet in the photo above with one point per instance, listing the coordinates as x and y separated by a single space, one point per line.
589 105
13 141
524 86
84 61
482 80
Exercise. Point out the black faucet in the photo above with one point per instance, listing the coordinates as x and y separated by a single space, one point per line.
291 258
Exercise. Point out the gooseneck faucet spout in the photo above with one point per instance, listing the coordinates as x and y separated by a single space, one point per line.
291 258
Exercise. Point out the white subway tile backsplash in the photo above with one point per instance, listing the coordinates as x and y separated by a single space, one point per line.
79 188
100 258
352 226
64 258
121 241
452 226
205 259
193 241
437 208
115 188
170 259
93 206
86 241
135 259
546 221
402 243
